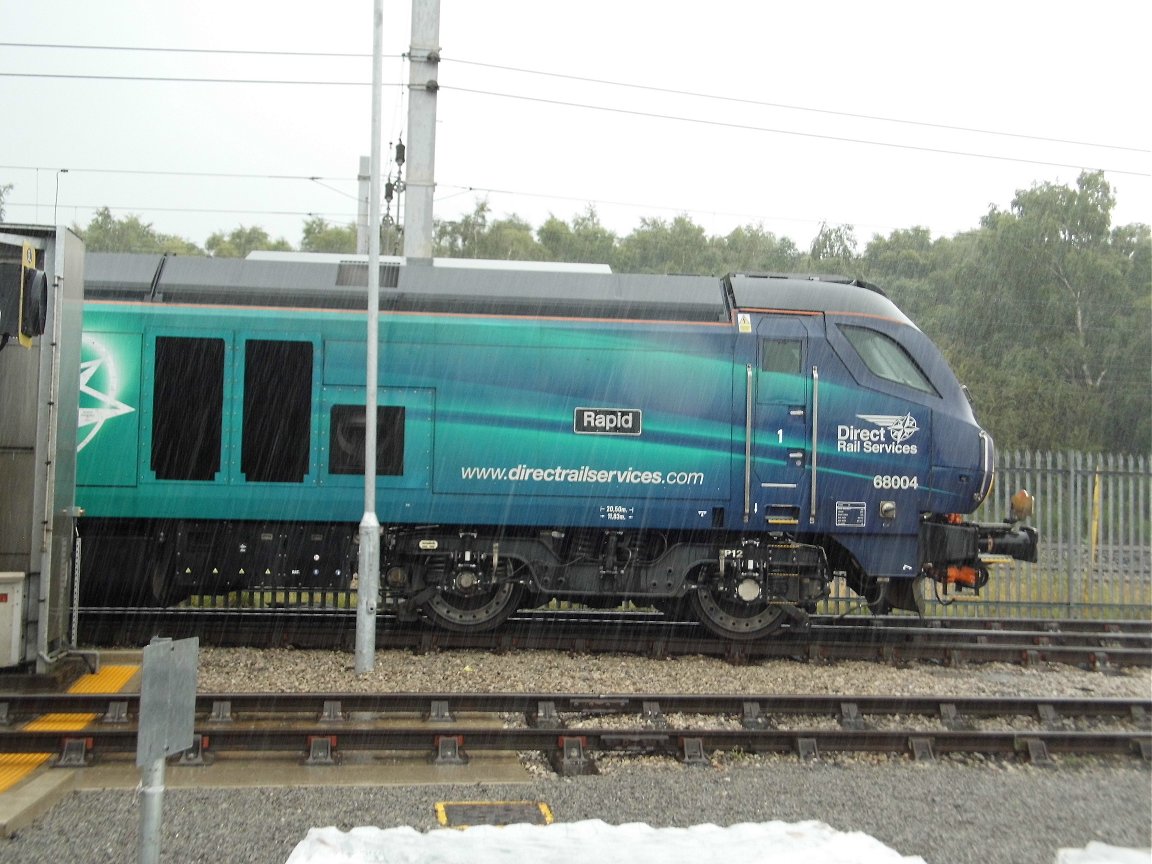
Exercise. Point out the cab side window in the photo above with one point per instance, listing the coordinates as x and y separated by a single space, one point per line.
886 358
781 355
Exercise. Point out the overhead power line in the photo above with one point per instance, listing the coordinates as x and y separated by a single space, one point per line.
124 208
776 131
169 173
763 104
160 79
585 106
164 50
522 71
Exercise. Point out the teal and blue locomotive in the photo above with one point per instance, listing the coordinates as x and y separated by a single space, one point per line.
719 444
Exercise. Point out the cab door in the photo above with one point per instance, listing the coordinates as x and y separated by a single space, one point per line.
782 423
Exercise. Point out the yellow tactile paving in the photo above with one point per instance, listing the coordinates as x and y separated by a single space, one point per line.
110 679
14 767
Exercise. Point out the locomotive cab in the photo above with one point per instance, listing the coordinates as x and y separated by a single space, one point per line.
866 443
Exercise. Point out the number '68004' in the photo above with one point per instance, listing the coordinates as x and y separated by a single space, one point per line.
895 481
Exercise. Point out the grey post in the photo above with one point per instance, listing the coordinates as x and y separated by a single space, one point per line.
166 727
369 558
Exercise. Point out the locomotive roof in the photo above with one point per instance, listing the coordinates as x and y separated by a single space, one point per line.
336 284
810 293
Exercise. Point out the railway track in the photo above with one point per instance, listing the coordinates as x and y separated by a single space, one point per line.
572 730
1087 644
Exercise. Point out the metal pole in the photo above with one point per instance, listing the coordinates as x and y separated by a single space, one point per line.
151 810
370 525
423 65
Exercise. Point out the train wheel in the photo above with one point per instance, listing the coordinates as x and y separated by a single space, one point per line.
736 619
474 611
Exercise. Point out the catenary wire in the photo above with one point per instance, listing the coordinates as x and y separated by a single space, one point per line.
764 104
751 128
585 106
584 79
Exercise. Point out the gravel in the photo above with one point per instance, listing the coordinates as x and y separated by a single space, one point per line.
948 814
950 811
289 670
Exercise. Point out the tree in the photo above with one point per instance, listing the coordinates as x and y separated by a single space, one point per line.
243 240
751 249
834 248
510 239
462 238
105 233
903 254
585 240
1059 304
319 236
911 268
475 236
4 190
679 246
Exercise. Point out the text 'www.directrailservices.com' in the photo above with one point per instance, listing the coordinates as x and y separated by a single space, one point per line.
583 474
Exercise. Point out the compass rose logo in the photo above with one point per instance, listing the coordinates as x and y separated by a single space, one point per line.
98 406
900 428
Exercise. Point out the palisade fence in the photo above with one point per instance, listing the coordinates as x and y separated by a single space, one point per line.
1095 553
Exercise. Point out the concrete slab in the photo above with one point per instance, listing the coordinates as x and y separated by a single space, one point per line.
23 804
353 769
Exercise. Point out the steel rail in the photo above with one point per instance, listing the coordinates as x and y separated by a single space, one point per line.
349 736
1114 643
547 709
323 726
753 708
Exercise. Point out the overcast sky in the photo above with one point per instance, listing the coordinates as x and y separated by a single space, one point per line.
880 115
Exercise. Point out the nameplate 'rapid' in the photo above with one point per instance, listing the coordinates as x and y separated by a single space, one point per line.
606 421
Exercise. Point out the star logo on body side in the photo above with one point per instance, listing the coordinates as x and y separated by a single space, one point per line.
900 427
107 405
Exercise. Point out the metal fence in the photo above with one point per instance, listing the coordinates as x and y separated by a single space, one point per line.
1095 555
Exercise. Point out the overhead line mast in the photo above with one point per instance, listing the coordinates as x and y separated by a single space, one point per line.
424 62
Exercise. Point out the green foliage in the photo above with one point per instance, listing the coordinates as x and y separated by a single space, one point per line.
475 236
1044 312
751 249
241 241
319 236
833 249
4 190
584 241
105 233
679 246
1064 304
